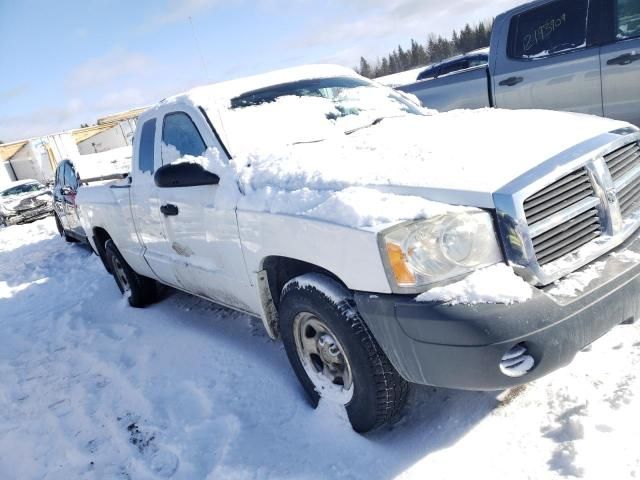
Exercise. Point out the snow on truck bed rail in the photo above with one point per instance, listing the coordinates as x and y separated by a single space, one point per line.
93 165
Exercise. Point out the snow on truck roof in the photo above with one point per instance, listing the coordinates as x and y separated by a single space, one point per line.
221 93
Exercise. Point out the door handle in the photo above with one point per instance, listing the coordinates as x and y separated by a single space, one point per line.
625 59
169 210
511 81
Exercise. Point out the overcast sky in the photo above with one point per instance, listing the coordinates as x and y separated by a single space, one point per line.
68 62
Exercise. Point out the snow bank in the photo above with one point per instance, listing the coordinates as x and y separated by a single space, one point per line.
496 284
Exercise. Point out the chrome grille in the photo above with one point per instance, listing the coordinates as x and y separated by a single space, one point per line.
573 208
624 166
562 217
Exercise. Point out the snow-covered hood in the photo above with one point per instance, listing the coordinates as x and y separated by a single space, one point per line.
460 157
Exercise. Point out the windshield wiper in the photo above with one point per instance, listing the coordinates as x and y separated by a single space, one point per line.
309 141
375 122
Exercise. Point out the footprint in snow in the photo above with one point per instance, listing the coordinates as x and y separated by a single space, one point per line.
563 461
566 429
604 428
60 408
160 461
570 427
623 393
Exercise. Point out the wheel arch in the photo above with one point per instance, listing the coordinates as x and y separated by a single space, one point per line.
275 272
100 237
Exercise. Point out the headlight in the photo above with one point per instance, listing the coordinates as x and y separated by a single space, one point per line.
430 251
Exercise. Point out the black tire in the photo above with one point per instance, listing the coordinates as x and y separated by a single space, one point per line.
379 392
140 290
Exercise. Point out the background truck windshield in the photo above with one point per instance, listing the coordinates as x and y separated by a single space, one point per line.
19 189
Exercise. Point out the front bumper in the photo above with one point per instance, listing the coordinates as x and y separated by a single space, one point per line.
461 346
29 215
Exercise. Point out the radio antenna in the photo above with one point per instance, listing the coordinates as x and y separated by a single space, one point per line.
197 42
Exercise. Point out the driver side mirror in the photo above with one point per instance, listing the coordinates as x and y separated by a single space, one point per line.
184 175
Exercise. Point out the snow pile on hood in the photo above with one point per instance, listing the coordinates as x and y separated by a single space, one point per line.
457 150
496 284
335 202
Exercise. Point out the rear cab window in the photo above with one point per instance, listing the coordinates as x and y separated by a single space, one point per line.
557 27
147 139
70 179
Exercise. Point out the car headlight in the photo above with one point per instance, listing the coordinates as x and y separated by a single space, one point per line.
425 252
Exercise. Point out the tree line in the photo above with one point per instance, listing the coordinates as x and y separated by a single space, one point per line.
436 49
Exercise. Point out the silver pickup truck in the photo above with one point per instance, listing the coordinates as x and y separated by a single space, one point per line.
572 55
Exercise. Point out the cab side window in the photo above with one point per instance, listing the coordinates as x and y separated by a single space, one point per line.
70 179
628 19
454 67
60 175
557 27
147 139
179 132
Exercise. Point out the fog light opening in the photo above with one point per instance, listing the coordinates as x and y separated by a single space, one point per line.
517 362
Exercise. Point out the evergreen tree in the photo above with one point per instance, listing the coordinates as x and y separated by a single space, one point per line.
365 68
437 48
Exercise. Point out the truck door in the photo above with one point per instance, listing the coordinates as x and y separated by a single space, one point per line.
145 205
58 197
69 192
203 236
547 61
620 61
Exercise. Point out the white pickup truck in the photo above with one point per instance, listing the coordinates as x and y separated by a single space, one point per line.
383 243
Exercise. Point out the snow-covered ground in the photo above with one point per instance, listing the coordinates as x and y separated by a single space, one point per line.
92 389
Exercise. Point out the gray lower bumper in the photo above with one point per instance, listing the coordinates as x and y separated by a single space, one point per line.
461 346
29 216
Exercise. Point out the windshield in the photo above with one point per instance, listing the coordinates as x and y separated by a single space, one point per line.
312 110
19 189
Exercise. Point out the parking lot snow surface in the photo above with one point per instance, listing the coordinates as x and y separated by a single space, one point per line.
91 388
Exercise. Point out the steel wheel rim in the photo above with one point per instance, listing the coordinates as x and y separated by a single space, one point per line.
119 271
323 358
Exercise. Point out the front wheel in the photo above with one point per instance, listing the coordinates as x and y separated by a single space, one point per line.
334 355
139 290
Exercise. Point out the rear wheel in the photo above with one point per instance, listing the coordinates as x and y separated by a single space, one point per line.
334 355
139 290
61 231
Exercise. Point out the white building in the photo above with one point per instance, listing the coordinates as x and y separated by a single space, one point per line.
38 157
